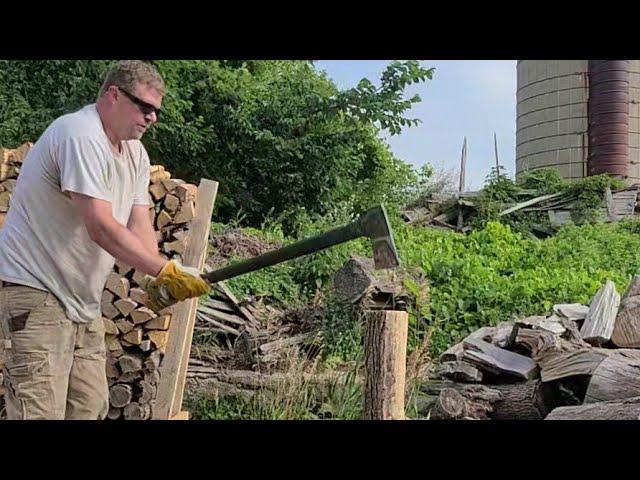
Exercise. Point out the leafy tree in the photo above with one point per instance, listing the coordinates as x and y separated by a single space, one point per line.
278 135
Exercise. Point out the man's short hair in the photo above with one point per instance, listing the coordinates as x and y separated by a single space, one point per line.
128 73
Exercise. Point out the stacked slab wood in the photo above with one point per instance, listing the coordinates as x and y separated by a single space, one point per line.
568 365
136 336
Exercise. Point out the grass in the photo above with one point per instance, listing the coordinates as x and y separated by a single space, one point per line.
297 397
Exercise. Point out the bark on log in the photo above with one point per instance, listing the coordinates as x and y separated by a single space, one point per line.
628 409
385 365
460 372
626 332
616 378
514 401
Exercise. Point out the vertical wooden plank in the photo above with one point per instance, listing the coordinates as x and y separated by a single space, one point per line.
463 166
385 364
173 369
495 143
182 415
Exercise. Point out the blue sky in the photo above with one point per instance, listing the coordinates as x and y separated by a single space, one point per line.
472 98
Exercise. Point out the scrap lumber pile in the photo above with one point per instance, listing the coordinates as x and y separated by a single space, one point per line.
241 346
239 353
250 334
456 211
581 362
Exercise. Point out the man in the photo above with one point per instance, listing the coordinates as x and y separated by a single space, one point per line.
81 199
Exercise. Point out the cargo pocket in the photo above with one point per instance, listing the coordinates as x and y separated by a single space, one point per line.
28 386
18 322
21 302
91 342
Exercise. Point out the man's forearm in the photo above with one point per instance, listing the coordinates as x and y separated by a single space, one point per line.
147 236
127 247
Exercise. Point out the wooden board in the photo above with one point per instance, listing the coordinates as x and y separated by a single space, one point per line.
173 368
489 358
183 415
569 364
223 287
600 321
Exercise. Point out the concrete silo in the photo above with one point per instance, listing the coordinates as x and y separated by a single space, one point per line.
581 117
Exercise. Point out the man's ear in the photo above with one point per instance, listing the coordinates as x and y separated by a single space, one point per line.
112 93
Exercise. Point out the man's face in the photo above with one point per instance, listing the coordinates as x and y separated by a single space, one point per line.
136 110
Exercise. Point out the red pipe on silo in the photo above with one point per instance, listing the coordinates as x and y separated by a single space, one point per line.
608 112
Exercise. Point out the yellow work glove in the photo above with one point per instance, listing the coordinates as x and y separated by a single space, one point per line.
173 284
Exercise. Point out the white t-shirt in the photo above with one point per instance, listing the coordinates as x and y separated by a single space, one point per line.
44 242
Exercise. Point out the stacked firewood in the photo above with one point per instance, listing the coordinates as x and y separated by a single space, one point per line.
581 362
10 163
136 336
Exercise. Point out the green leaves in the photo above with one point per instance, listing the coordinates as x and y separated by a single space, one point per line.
278 135
494 273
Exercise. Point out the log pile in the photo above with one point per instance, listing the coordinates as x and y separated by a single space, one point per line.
238 345
581 362
251 333
136 336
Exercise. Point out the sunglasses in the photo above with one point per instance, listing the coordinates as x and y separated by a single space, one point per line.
145 108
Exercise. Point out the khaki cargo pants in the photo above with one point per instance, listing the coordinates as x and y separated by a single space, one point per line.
54 368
